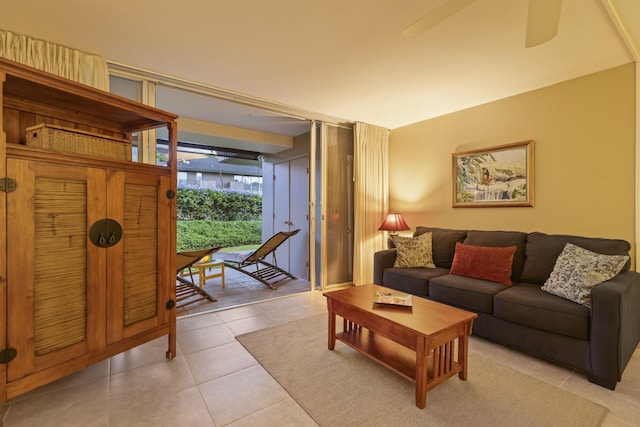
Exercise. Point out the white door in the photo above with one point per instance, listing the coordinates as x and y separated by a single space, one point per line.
290 212
281 210
299 217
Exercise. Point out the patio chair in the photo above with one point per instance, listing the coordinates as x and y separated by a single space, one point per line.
185 288
253 263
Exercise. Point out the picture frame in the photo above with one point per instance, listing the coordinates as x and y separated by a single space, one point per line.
500 176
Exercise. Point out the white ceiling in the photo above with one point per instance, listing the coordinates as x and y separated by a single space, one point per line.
342 58
199 107
207 109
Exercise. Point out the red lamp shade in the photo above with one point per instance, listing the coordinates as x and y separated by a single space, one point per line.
394 222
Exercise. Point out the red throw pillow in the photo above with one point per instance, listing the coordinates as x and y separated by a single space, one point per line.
484 262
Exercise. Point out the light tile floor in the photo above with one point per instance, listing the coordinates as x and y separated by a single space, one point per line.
214 381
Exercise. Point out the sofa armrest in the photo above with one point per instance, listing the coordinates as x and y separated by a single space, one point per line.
381 261
615 327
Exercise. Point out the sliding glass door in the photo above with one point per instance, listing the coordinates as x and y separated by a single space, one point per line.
334 239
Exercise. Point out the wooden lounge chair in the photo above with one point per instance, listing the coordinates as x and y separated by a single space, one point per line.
253 263
186 288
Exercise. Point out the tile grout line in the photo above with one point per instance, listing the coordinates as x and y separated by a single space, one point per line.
195 384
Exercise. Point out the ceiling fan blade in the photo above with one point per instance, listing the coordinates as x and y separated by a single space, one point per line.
542 21
436 16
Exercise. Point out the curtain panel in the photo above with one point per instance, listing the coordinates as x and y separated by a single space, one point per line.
53 58
371 194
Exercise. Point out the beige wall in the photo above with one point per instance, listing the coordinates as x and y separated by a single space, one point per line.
584 133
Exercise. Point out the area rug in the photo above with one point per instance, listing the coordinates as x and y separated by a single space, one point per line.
344 388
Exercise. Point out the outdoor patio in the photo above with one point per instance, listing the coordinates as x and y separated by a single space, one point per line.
239 289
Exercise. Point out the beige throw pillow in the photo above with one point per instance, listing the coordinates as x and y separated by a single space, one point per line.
414 251
578 270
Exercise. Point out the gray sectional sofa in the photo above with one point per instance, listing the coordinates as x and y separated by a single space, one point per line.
598 340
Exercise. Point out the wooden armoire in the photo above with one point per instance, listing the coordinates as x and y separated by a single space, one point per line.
87 264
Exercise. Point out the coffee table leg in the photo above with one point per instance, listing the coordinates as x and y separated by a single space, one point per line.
463 353
421 373
331 327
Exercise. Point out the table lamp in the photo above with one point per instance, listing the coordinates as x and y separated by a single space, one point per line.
393 223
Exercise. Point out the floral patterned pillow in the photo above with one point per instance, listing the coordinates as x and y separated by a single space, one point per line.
414 251
578 270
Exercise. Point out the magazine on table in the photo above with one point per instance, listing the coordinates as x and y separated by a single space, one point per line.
393 299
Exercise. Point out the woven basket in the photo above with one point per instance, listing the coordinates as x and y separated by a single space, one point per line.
58 138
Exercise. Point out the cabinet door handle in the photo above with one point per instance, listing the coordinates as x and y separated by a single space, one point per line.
105 233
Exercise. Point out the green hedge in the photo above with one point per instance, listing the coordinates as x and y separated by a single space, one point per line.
219 205
200 234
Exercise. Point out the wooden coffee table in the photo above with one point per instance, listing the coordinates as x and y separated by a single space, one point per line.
426 343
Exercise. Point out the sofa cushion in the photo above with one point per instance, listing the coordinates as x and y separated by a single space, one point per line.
466 292
542 251
411 280
483 262
578 270
527 304
443 243
413 251
502 239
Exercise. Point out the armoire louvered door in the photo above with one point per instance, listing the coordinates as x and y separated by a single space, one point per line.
56 307
137 290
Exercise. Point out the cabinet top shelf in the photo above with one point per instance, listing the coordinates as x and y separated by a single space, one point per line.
29 84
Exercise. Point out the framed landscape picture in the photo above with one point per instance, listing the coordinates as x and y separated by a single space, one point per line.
497 176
